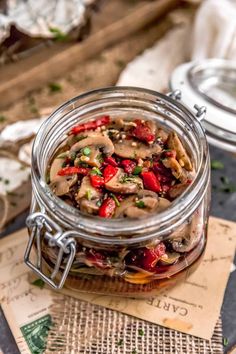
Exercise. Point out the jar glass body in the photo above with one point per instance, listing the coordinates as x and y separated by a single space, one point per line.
112 243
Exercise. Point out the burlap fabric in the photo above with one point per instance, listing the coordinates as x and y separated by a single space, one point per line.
83 328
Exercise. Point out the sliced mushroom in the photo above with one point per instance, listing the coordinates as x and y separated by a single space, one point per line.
93 158
96 139
169 258
135 149
151 202
186 238
177 171
163 204
87 189
120 183
61 185
88 197
162 134
56 165
174 143
177 190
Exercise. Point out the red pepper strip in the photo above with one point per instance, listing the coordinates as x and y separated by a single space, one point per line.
171 153
143 132
150 181
96 181
73 170
104 120
111 161
128 166
107 208
109 172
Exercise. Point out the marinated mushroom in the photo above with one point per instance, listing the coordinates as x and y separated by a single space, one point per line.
96 139
174 143
190 234
61 185
88 197
122 183
133 150
177 190
56 166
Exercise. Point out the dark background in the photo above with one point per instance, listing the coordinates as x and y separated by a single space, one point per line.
223 206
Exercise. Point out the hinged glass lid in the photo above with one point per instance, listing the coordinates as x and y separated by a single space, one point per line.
211 83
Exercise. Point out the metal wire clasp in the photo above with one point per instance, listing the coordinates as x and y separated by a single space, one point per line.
38 223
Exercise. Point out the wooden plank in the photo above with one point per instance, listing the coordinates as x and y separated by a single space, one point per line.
17 87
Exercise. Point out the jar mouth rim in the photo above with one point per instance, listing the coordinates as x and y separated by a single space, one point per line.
114 227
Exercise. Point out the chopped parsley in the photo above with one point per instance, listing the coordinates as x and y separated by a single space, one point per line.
141 332
58 35
39 283
126 179
134 351
55 87
6 181
217 165
225 341
120 342
95 171
86 151
99 203
88 194
14 204
140 204
137 170
115 199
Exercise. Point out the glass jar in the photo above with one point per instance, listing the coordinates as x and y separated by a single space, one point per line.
60 232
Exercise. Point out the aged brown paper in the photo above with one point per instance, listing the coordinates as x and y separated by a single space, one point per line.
192 307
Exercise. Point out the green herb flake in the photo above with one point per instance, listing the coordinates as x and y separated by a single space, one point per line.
55 87
140 204
58 34
88 194
141 332
225 341
6 181
86 151
99 203
13 204
120 342
39 283
134 351
2 118
137 170
95 171
217 165
115 199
